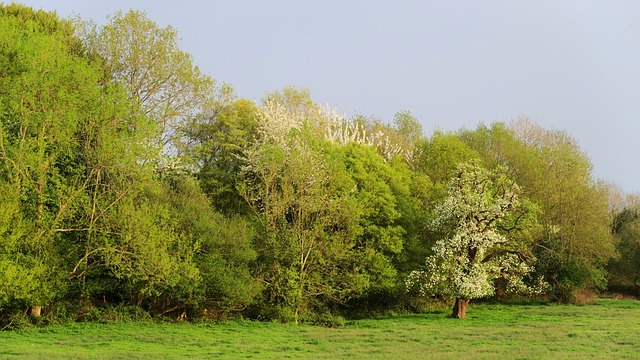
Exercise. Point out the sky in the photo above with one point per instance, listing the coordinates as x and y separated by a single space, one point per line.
567 65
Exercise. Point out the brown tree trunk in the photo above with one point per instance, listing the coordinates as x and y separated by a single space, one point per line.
460 309
36 311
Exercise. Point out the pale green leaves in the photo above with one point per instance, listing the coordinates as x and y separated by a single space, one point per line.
160 77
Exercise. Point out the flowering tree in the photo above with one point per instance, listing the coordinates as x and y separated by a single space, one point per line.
293 109
484 221
302 198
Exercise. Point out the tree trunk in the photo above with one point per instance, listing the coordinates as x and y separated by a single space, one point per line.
460 309
35 311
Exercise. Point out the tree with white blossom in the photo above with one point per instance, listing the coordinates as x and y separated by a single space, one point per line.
485 223
305 212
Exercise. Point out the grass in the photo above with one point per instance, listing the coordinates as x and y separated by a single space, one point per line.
609 329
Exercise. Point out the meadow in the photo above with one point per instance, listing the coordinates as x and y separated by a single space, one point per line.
607 329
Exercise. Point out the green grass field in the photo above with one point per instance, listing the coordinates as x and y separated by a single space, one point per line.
610 329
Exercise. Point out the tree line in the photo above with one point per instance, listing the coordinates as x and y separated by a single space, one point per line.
130 179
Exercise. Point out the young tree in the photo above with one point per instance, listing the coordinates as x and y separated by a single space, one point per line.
301 196
85 210
160 77
483 219
441 154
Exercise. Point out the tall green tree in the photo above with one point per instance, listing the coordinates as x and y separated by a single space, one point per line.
409 128
170 252
440 155
160 77
90 217
222 250
378 188
59 125
301 199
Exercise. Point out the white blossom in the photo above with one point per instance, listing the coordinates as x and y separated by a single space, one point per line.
276 121
466 263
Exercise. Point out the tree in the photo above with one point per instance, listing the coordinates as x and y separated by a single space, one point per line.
297 103
222 250
45 23
377 188
159 76
441 154
87 216
215 143
408 128
574 242
173 253
305 246
301 198
483 219
51 102
22 274
624 269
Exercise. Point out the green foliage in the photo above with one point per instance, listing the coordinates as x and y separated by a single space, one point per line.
297 102
216 142
223 249
625 268
173 252
374 181
49 96
130 178
160 78
118 314
326 319
574 243
409 128
85 214
377 187
150 253
42 21
441 154
19 270
301 199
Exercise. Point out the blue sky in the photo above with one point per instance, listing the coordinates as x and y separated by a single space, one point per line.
568 65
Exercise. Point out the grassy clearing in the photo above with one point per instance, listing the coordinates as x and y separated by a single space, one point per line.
608 329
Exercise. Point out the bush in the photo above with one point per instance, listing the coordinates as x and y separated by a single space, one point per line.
324 319
16 321
583 297
270 312
115 314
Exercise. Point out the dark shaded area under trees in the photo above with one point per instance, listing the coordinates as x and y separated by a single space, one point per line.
132 182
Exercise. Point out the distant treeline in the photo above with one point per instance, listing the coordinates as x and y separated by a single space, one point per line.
130 179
